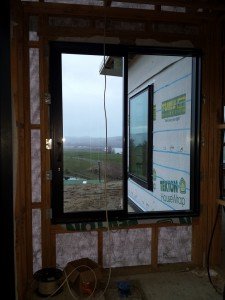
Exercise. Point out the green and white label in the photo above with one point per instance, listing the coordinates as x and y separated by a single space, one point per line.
174 107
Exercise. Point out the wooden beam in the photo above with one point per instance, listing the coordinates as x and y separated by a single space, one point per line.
75 10
23 233
56 32
221 126
199 227
214 103
221 202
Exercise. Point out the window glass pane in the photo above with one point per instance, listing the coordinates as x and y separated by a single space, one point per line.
92 164
172 122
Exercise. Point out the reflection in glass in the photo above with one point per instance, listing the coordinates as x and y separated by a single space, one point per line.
170 112
138 139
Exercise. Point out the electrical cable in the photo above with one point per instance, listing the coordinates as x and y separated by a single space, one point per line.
66 281
221 167
106 162
209 250
216 218
214 226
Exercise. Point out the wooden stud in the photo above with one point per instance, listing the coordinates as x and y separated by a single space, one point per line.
221 202
200 223
221 126
56 32
27 151
217 114
20 195
100 248
48 254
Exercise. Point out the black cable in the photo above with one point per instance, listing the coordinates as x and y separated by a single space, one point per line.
221 179
217 215
209 250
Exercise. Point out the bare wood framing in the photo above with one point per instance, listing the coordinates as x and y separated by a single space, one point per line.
20 211
221 126
56 32
154 247
214 152
221 202
207 39
114 12
27 152
45 220
34 44
200 223
23 210
100 248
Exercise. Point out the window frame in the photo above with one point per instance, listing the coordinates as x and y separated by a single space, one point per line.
58 47
148 184
55 74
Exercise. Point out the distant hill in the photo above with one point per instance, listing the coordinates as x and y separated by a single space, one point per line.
90 142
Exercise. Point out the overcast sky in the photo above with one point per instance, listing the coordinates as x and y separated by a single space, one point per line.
83 95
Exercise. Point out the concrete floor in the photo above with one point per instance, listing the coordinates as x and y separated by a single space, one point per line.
180 285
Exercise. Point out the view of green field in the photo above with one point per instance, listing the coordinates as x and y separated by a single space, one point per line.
91 164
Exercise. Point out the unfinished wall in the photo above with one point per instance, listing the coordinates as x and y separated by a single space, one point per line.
74 246
39 243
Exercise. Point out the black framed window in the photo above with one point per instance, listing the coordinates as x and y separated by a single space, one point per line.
87 116
140 137
145 164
